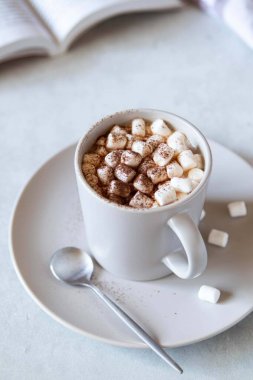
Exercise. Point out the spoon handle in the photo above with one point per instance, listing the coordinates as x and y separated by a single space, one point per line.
137 329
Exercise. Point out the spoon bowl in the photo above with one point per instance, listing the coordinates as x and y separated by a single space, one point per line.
72 266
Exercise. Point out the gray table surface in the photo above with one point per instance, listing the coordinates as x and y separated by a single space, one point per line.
183 61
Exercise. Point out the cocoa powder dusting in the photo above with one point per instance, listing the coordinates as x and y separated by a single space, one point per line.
124 176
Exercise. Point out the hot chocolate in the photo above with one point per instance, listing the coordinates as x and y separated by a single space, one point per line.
143 164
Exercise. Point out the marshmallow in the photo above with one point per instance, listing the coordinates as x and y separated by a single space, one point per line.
186 160
140 200
181 196
143 184
116 141
155 140
163 154
98 189
165 195
124 173
92 179
209 294
159 127
219 238
157 174
163 185
142 147
199 161
101 141
182 185
130 140
119 188
174 169
138 127
155 204
196 174
115 198
146 164
88 168
131 158
178 142
202 215
237 209
105 174
92 158
117 130
112 159
101 151
194 184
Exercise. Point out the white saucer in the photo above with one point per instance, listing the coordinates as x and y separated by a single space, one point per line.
48 216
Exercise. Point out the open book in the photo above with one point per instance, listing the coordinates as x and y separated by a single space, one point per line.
48 27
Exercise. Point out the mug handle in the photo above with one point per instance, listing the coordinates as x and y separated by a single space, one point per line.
193 261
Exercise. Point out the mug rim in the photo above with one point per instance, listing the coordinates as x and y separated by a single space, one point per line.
171 206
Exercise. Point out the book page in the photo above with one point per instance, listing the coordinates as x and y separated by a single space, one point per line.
64 17
20 29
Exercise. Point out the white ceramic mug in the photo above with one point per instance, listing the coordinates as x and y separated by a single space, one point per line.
151 243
